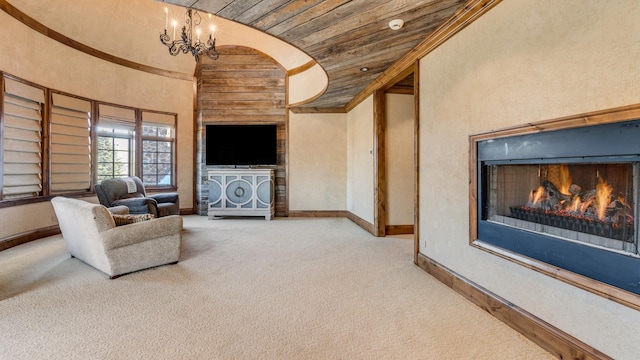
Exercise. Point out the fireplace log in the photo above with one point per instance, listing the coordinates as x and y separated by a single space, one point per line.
574 190
608 228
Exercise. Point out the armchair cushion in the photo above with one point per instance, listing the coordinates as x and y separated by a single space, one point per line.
90 233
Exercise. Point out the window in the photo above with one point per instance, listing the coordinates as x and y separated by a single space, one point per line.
115 142
114 155
22 136
158 138
52 143
70 144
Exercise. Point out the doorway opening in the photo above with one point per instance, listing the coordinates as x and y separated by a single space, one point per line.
396 140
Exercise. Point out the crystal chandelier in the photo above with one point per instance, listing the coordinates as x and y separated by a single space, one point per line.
186 43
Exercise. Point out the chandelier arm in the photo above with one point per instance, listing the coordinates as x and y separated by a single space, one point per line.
165 39
186 44
196 19
174 49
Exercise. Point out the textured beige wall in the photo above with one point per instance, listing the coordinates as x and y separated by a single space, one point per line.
523 61
399 134
31 56
360 160
317 162
307 85
130 29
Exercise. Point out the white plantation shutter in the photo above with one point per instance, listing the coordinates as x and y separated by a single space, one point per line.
158 119
70 144
22 140
116 117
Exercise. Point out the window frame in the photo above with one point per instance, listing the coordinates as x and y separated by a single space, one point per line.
94 121
130 151
122 120
174 148
44 148
49 143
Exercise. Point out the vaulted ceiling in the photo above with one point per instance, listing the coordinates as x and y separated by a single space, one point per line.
343 36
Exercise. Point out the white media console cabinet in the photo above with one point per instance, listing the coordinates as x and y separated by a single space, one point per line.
241 192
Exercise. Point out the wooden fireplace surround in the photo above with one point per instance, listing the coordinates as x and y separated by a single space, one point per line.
593 118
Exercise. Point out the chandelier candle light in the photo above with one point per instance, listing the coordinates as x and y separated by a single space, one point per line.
186 43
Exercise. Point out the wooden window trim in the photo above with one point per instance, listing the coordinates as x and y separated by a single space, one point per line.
91 139
131 151
1 132
46 147
131 123
44 126
174 140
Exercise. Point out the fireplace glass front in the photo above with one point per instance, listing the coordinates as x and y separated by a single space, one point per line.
590 203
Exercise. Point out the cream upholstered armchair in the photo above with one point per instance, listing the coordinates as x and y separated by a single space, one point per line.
91 235
130 192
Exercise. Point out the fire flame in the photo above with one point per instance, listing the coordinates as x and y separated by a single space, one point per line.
575 205
565 179
622 201
603 195
585 205
559 203
536 195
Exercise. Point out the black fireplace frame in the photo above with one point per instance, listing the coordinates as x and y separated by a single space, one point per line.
607 273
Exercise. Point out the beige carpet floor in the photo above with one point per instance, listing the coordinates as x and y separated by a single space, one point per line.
247 289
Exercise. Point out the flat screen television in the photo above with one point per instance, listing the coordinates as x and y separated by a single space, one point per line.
241 145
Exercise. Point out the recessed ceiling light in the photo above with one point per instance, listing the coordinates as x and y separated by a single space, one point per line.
364 69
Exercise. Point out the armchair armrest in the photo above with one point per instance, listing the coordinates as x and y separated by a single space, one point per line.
165 197
138 232
139 205
119 209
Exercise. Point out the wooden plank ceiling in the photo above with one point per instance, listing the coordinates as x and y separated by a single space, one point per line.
343 36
